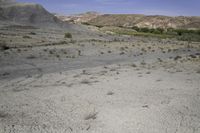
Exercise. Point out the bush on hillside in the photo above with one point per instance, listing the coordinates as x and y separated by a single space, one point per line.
68 35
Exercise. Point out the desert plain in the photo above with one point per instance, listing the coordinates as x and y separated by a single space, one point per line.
96 82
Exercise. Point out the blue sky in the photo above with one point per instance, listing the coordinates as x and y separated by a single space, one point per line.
149 7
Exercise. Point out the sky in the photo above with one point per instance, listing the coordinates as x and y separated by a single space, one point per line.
148 7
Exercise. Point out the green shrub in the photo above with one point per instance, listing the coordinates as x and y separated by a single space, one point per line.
189 37
136 28
171 31
198 32
184 31
155 31
160 30
68 35
152 30
180 34
144 30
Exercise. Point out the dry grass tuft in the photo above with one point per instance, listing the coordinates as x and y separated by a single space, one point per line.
85 81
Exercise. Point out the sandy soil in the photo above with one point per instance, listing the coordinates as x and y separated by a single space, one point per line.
97 83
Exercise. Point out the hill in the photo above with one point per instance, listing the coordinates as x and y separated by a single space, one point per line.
156 21
78 18
26 13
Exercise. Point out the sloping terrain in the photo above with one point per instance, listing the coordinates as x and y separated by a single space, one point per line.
146 21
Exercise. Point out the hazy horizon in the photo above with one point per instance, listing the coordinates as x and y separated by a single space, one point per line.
147 7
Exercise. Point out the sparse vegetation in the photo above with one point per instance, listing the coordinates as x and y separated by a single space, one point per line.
189 37
141 32
73 78
180 34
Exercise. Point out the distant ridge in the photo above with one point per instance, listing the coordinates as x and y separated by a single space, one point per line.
154 21
131 20
79 18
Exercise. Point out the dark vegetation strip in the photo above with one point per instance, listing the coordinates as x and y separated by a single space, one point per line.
180 34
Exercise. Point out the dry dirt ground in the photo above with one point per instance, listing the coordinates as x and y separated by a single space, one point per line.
96 83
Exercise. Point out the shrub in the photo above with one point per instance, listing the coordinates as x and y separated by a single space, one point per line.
171 31
144 29
155 31
32 33
180 34
160 30
134 65
4 47
189 37
99 26
184 31
198 32
27 37
68 35
136 28
85 23
151 30
177 57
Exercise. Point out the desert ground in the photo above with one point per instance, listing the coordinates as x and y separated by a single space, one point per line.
96 83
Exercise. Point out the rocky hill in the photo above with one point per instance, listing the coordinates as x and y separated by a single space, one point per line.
156 21
26 13
6 2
